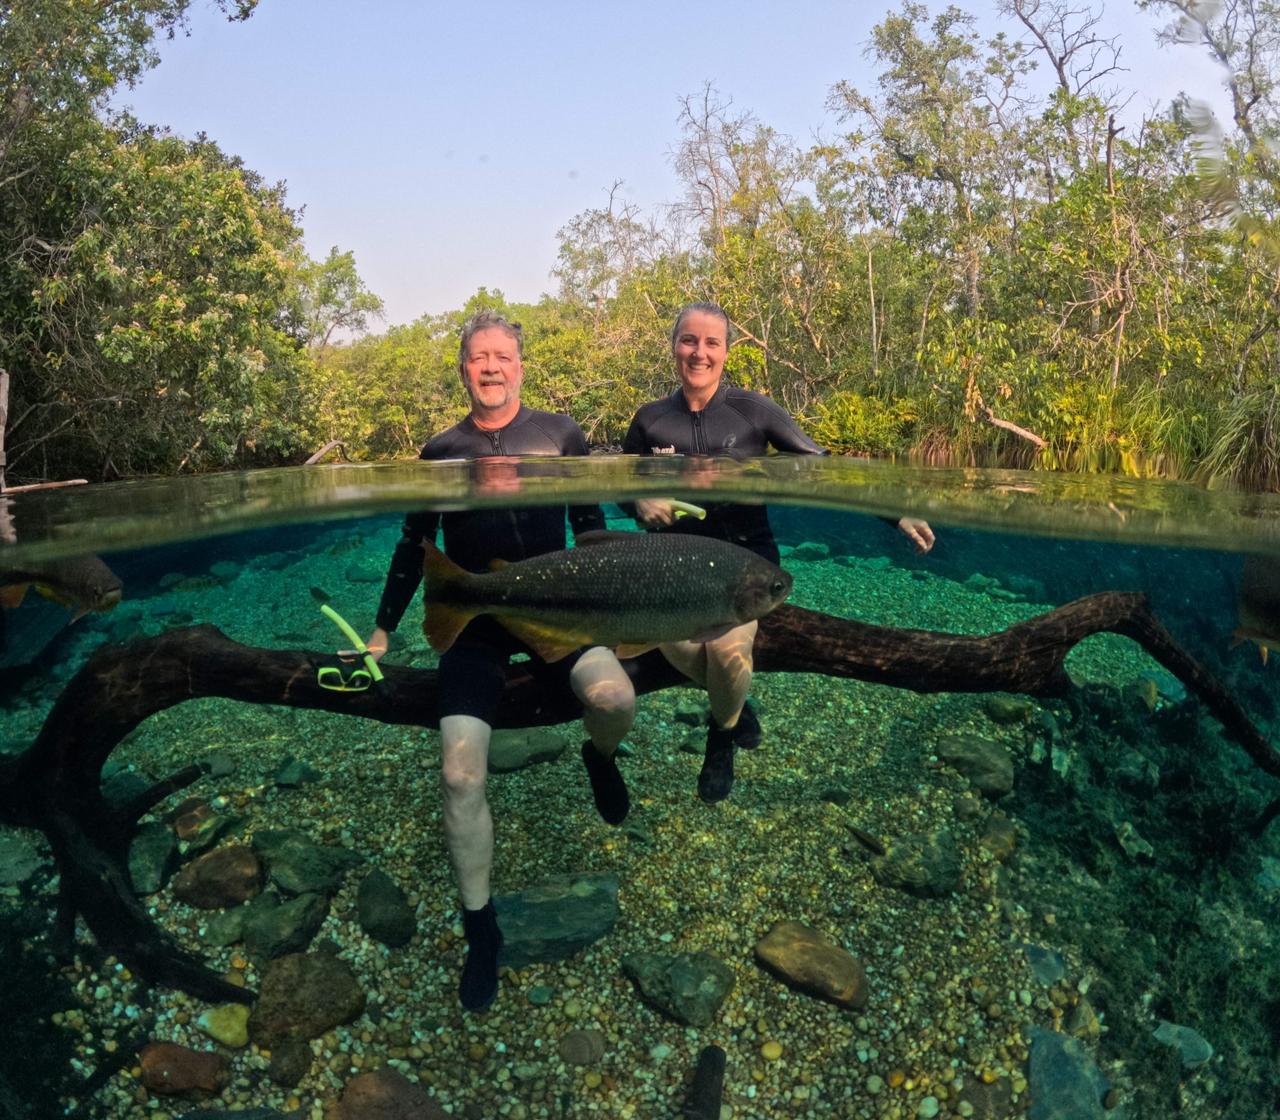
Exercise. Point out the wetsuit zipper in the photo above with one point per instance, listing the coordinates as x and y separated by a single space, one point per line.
699 435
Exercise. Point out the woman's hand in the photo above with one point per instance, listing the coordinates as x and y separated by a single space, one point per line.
655 511
917 531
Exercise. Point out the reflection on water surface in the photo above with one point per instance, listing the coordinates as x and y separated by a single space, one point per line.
1041 893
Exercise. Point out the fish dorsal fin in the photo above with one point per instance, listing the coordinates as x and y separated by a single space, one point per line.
13 595
547 642
496 565
604 536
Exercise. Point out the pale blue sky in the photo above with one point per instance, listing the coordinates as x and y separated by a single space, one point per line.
445 144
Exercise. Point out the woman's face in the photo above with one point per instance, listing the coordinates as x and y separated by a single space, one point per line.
699 352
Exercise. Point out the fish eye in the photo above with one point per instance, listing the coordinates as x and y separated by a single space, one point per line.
777 586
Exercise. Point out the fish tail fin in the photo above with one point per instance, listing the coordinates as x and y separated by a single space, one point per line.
444 621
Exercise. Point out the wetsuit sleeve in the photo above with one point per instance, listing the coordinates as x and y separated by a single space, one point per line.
786 435
405 572
634 443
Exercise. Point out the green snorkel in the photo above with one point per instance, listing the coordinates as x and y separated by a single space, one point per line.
687 509
331 676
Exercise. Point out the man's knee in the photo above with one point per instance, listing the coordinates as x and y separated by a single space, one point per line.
462 780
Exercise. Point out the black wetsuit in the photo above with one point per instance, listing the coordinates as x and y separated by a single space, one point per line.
735 422
472 670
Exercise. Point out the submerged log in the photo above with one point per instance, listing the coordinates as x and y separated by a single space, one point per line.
56 785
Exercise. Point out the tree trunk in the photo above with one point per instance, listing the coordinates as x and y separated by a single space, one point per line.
56 785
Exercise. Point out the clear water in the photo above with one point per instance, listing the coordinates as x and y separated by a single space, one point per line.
1116 887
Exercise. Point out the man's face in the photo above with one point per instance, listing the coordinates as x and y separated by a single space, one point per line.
493 371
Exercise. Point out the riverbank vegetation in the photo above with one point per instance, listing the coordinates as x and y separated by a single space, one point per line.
990 257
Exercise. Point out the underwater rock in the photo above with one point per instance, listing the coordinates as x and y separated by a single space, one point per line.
236 1114
1064 1081
553 920
290 1063
1007 709
302 996
227 1023
1047 965
226 876
686 987
582 1048
365 573
273 928
383 909
153 857
1190 1044
926 865
999 837
692 712
987 765
813 963
122 783
295 773
386 1095
810 552
835 795
1135 847
19 859
224 570
1083 1021
1135 772
225 928
219 763
172 1070
514 750
298 866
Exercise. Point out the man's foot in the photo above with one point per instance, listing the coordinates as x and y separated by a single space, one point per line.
746 732
716 779
607 785
479 985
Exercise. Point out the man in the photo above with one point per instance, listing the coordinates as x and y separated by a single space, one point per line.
472 671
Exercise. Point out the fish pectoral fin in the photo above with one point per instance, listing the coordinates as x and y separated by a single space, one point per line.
603 536
1263 650
496 565
12 596
633 649
444 623
547 642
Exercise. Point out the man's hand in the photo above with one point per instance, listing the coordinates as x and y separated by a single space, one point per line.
917 531
377 643
655 511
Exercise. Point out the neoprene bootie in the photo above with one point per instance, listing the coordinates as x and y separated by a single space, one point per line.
747 732
607 784
478 987
716 777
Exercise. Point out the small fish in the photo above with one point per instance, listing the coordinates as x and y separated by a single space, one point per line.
628 591
81 583
1258 608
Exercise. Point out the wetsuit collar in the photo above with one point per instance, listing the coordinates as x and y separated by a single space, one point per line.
682 402
520 417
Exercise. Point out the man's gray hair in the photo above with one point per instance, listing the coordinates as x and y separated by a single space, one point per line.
485 320
706 308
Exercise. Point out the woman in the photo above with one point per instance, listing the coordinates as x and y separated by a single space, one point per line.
704 416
